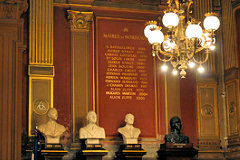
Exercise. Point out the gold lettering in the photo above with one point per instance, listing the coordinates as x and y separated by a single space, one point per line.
129 93
112 77
140 98
114 97
113 93
126 97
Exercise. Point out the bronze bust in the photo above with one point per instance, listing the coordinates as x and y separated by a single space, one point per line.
176 136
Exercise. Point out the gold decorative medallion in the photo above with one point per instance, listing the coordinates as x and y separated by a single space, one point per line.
207 110
41 106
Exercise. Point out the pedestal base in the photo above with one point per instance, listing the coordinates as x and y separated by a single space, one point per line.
176 151
130 152
92 152
48 154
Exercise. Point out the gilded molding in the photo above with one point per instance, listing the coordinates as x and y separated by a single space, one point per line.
41 32
79 20
8 8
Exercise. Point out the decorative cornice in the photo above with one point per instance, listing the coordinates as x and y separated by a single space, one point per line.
79 20
12 9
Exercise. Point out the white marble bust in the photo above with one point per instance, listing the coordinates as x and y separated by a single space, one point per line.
129 133
52 130
91 131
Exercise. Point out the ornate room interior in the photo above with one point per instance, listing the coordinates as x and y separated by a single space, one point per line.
95 55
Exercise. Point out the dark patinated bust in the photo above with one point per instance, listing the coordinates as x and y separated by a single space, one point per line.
176 136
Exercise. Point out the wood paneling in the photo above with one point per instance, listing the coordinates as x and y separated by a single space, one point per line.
11 54
208 127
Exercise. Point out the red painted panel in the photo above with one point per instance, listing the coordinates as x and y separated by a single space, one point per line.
124 39
189 106
62 61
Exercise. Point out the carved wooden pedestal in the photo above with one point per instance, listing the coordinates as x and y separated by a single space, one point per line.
130 152
176 151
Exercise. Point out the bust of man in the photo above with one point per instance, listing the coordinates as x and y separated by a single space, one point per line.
129 133
52 130
92 132
176 136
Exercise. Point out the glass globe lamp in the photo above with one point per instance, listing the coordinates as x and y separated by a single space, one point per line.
194 31
170 19
151 25
156 36
211 22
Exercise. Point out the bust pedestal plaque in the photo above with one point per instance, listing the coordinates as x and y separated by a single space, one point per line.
130 152
177 151
91 152
52 151
49 154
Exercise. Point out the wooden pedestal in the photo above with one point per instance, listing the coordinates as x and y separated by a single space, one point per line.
48 154
130 152
91 154
176 151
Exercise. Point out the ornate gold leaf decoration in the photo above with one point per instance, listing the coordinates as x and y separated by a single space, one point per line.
79 20
207 110
41 106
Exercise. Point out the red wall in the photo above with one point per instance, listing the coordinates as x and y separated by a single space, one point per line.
189 106
61 54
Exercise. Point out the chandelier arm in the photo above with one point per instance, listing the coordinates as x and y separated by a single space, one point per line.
188 9
164 60
195 51
175 64
164 53
201 62
200 49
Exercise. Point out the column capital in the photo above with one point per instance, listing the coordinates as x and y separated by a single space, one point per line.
12 9
79 20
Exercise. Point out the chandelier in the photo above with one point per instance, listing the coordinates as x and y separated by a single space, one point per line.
184 42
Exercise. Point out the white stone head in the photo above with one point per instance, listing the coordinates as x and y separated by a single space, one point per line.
53 114
129 118
92 117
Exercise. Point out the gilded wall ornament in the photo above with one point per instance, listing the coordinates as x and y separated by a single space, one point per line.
207 110
79 20
41 106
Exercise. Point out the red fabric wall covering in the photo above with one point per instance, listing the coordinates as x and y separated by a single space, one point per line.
62 63
189 106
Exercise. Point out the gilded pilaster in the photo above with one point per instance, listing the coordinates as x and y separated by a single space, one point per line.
80 33
200 8
229 38
41 69
172 99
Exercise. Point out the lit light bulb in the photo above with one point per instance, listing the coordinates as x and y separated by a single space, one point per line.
212 47
191 64
168 45
174 72
164 67
153 54
200 69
